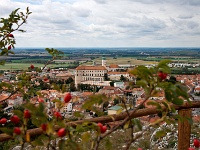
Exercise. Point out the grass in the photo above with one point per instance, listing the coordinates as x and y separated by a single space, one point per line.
23 66
122 61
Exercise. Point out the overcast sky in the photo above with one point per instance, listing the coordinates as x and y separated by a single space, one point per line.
108 23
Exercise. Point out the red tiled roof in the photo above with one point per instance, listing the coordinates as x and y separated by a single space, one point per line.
3 97
109 88
113 66
197 89
87 93
117 72
91 68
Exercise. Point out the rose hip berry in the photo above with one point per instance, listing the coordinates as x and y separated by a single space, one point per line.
67 97
61 132
9 47
11 35
57 115
17 130
27 114
40 100
102 128
32 66
44 127
162 75
15 119
3 121
196 143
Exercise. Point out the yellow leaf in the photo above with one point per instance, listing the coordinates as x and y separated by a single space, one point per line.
27 137
127 124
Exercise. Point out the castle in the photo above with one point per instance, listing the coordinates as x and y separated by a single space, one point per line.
96 74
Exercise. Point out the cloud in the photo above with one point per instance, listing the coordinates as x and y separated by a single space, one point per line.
100 1
106 23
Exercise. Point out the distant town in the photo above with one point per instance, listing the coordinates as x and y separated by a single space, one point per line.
84 80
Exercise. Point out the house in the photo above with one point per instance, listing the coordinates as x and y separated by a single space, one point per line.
63 75
117 75
89 73
111 91
68 107
15 100
197 89
114 110
113 67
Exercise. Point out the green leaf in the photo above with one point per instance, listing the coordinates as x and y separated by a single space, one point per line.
178 101
126 125
160 134
85 136
137 123
142 83
163 66
56 101
19 113
78 114
168 95
7 130
39 140
79 128
189 120
154 103
73 145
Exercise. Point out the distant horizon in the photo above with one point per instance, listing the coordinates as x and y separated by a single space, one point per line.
104 47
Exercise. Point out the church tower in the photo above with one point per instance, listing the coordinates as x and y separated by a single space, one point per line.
104 61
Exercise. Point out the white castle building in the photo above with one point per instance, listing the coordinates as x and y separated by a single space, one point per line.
95 74
90 73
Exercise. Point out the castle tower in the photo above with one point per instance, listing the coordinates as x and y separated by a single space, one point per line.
104 61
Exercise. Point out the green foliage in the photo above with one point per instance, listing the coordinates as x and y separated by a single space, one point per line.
13 23
55 53
137 123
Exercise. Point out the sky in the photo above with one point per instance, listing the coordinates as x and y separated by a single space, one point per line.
107 23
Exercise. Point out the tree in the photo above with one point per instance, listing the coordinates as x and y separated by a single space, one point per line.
11 24
112 83
106 77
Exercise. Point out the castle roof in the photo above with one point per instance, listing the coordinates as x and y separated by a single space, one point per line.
91 68
113 66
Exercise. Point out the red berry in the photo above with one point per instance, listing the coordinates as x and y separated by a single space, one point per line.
40 100
196 143
11 35
103 129
57 115
100 125
27 114
3 121
190 148
162 75
67 97
139 149
32 66
17 130
44 127
45 79
15 119
61 132
9 47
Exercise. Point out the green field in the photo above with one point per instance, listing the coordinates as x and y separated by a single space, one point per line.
122 61
24 66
